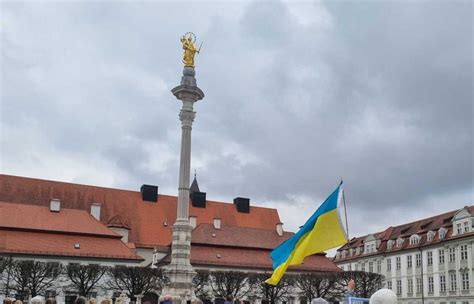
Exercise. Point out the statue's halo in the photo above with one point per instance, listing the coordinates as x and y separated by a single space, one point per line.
192 35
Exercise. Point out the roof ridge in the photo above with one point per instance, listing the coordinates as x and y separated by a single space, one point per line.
114 189
431 217
240 227
67 183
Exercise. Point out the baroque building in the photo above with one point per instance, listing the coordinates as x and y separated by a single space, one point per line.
72 223
429 261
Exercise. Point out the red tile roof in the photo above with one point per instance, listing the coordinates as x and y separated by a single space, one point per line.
252 259
118 222
56 244
242 236
419 227
244 240
30 229
146 219
31 217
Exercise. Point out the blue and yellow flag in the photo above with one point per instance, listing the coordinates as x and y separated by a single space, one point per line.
321 232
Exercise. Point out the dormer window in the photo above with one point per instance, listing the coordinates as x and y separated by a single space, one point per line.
338 255
351 252
343 254
462 221
442 233
430 236
466 226
400 242
390 244
357 250
414 239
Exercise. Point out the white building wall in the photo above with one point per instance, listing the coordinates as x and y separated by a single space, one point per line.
458 296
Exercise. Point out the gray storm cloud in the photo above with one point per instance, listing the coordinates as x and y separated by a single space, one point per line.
298 95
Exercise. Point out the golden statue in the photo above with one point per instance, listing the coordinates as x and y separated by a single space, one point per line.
189 48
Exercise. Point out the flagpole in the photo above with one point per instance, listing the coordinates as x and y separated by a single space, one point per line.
345 213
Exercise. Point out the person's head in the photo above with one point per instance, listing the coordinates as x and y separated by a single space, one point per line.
168 297
7 301
383 296
351 285
18 302
80 300
37 300
49 301
92 301
228 298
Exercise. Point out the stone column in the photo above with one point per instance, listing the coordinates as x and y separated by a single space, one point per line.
179 271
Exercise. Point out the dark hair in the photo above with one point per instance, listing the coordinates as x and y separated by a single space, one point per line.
80 300
7 301
228 298
50 301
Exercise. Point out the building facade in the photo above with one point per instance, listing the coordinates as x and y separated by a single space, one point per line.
429 261
225 236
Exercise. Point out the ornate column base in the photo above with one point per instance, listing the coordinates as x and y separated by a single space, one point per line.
180 272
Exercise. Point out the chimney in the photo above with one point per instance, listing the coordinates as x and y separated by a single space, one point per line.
217 223
95 211
55 205
193 221
242 204
149 193
279 229
198 199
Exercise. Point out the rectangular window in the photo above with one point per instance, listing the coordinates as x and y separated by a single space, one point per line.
399 287
363 266
458 226
466 227
452 278
409 261
371 266
398 263
418 285
418 259
430 285
452 254
379 266
410 286
389 264
389 284
441 256
465 280
429 255
442 283
356 266
463 252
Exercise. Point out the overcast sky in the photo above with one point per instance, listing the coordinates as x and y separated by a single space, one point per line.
298 95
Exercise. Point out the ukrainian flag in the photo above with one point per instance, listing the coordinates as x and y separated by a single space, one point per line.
321 232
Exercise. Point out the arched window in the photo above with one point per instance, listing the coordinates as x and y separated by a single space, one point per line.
390 244
442 233
414 239
430 235
400 242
